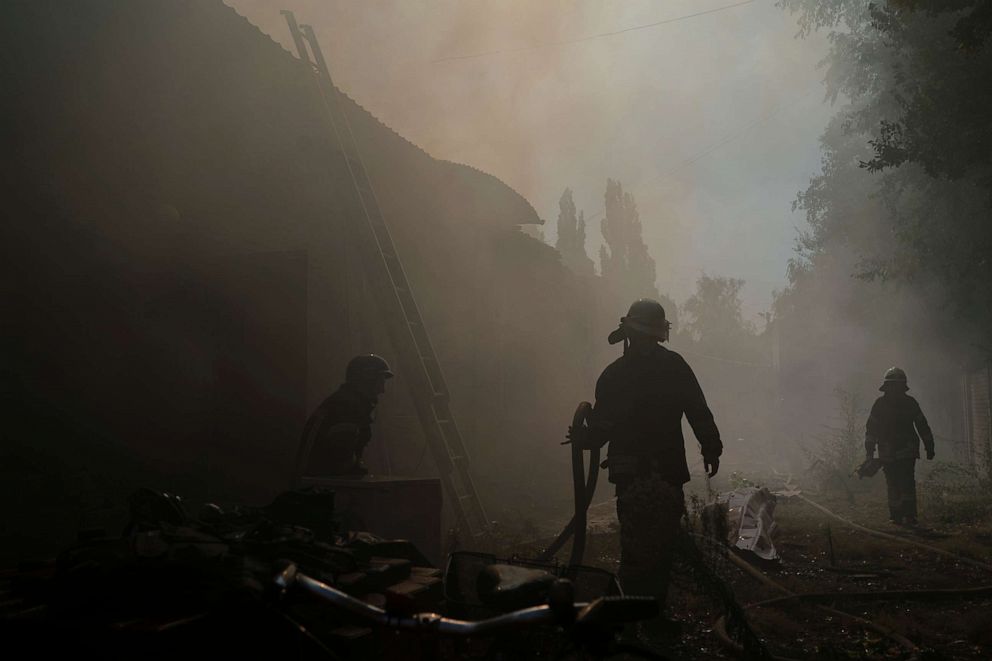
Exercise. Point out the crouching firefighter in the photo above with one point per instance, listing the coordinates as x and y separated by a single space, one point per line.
895 426
640 400
337 432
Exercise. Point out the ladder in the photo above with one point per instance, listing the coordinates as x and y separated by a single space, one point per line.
396 302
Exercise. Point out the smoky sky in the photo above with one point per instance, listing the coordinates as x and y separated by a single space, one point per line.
712 122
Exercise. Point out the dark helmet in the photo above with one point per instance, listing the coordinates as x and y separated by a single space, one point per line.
895 379
644 316
367 366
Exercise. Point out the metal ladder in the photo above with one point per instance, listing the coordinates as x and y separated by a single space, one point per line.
396 302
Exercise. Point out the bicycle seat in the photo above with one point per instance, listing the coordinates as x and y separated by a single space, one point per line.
510 587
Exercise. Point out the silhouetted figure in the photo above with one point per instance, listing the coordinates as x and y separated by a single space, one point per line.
895 426
337 432
640 400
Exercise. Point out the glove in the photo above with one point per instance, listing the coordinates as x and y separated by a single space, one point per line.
712 465
929 455
585 438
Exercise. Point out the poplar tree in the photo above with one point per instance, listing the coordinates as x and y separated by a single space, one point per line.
624 259
571 242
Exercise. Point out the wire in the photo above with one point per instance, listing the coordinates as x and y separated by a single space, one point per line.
740 132
590 37
726 140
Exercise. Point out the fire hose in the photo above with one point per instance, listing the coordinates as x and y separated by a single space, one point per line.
817 599
583 488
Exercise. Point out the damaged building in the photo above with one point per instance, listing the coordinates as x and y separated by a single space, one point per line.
182 289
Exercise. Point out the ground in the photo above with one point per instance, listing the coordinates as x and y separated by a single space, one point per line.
953 627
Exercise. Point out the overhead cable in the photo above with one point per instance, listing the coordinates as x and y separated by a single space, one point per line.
565 42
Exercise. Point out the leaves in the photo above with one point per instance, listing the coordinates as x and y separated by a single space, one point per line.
905 186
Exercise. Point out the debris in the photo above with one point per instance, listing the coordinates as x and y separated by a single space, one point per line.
750 511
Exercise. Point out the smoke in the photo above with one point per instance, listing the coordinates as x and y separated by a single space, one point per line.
710 121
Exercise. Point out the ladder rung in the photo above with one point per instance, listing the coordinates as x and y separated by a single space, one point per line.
391 284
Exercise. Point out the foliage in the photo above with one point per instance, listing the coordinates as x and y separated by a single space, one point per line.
906 181
951 492
838 451
624 259
713 321
571 242
712 315
739 481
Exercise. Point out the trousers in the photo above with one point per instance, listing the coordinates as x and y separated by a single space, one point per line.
900 481
650 511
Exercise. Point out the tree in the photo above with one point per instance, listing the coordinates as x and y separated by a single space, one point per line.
624 259
713 319
571 242
915 133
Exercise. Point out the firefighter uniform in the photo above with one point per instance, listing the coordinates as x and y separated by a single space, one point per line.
895 427
337 432
640 401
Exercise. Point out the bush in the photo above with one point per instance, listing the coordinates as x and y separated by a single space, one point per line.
836 453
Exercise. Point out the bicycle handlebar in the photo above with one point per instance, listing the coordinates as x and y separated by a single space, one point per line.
605 609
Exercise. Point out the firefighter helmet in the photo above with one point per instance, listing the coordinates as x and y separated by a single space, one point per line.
645 316
366 366
895 379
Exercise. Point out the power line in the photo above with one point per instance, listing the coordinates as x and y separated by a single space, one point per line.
725 140
590 37
739 133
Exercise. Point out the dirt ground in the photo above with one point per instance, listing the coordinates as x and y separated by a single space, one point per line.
952 627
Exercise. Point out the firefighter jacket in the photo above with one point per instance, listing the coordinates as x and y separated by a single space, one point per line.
895 426
338 431
640 401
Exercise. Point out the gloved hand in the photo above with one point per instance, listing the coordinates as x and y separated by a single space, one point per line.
929 455
585 438
712 465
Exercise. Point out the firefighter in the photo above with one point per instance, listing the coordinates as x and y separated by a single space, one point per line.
895 426
337 432
640 400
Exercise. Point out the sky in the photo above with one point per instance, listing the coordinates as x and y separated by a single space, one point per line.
710 117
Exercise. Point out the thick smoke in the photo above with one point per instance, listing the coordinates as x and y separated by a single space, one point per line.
711 121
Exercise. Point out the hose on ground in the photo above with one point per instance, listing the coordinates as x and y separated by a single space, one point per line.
904 642
897 538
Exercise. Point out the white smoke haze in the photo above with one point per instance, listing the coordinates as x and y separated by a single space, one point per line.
712 122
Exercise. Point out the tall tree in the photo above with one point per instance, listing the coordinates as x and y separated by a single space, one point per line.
624 259
914 137
712 316
571 242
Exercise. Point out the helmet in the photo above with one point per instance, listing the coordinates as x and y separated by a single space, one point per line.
366 366
644 316
895 379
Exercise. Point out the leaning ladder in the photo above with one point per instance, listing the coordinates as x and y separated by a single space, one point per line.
397 305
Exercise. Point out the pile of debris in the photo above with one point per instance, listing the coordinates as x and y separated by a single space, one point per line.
175 582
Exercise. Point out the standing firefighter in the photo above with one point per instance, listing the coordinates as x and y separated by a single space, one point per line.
895 426
337 432
640 400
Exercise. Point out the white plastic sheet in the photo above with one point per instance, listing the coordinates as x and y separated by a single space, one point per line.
751 514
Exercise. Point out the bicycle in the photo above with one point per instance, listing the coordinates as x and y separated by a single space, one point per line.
590 627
